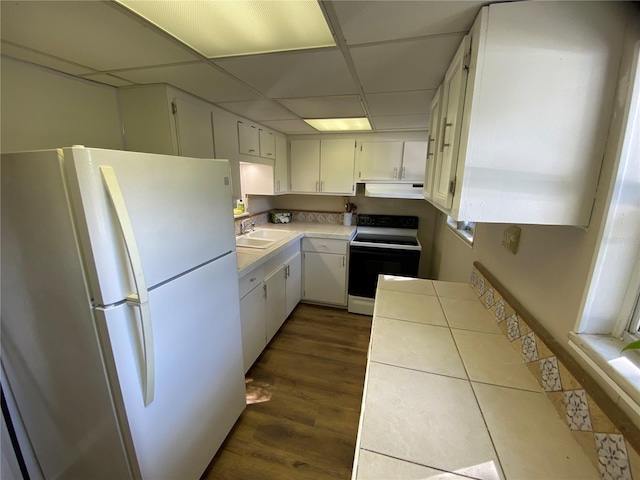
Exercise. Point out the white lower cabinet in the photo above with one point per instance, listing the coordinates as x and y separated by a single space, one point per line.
275 293
252 319
267 300
325 271
294 283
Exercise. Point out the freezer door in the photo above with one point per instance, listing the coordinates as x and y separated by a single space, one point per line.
179 209
199 381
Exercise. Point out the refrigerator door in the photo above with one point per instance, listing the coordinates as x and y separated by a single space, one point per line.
50 349
199 381
179 208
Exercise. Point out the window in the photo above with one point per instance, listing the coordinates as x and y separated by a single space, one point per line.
610 315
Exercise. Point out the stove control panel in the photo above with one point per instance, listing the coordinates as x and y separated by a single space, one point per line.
388 221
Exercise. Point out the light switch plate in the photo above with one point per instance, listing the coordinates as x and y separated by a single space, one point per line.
511 239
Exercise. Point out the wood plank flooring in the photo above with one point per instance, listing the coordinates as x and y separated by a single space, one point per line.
306 390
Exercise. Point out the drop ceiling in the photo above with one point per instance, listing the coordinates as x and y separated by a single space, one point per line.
389 58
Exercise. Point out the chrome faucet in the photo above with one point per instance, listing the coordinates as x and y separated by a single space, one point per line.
243 226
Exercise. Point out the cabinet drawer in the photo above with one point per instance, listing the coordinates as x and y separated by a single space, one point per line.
249 281
324 245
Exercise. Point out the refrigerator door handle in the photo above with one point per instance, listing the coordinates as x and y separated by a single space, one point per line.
140 298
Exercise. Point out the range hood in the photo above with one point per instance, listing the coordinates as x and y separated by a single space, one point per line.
394 190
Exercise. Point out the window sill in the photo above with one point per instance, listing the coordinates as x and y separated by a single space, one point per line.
621 372
465 235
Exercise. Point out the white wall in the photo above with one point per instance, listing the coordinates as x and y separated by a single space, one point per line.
549 273
45 109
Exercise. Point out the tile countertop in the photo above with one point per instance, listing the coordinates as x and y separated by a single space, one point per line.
250 258
447 396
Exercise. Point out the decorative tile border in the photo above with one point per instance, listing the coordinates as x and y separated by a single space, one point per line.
603 443
332 218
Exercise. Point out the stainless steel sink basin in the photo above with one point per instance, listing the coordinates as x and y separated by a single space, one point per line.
261 238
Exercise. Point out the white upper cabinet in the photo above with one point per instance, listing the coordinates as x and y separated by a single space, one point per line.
323 166
453 91
305 165
248 139
281 173
432 144
267 144
337 160
194 127
414 156
523 137
392 161
379 161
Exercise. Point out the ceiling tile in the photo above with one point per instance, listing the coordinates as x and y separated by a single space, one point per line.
294 74
95 34
290 126
27 55
376 21
258 110
325 107
400 103
407 65
200 79
108 79
401 122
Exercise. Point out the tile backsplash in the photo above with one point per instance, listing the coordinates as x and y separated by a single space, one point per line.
601 440
333 218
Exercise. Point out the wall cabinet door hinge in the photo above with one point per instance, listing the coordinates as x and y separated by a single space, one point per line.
174 107
452 186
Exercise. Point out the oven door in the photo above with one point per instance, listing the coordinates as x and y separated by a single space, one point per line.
366 263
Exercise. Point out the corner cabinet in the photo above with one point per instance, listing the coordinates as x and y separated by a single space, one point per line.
325 271
323 166
520 137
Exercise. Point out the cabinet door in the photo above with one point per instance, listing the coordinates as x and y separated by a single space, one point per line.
248 139
253 321
267 144
281 169
194 128
454 88
293 270
275 305
432 144
325 276
305 165
380 161
414 157
337 161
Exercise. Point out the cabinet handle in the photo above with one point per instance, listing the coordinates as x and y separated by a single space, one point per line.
253 279
444 130
252 149
395 172
344 261
264 289
269 154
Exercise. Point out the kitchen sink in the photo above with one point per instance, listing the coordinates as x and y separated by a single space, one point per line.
268 234
261 238
244 241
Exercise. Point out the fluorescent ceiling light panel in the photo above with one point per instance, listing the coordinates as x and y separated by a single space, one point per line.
339 124
225 28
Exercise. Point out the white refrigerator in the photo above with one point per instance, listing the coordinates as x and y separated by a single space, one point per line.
121 339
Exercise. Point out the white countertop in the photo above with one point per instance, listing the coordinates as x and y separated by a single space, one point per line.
446 395
250 258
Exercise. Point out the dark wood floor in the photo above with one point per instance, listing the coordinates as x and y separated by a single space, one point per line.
306 390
